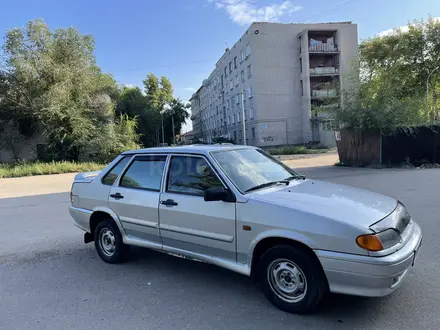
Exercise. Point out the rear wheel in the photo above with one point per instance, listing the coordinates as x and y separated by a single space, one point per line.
108 242
291 279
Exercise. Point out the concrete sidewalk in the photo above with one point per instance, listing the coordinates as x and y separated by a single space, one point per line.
51 184
35 185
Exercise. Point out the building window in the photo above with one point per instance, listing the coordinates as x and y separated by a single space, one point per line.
230 67
242 76
235 62
233 102
235 136
302 88
251 113
249 71
227 104
240 136
301 64
237 81
242 56
253 132
229 120
248 50
233 118
223 82
238 117
249 92
231 85
238 99
226 71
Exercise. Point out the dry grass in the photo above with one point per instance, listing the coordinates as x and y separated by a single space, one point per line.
38 168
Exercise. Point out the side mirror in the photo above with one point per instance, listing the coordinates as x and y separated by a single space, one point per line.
219 194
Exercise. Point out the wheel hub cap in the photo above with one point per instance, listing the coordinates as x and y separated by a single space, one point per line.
287 280
107 242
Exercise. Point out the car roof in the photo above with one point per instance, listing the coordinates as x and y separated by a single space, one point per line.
189 149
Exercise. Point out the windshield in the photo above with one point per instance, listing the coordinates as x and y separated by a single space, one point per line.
251 168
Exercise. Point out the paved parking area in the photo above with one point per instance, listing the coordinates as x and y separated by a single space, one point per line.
50 280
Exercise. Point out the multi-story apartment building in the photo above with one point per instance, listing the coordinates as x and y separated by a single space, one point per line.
277 78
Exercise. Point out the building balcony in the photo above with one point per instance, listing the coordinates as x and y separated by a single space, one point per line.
324 71
323 48
324 93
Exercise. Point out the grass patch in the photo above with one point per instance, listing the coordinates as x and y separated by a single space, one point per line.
296 150
38 168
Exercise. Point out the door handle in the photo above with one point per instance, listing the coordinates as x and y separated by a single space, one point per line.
169 202
116 196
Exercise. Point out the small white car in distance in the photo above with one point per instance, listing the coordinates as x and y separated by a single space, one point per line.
241 209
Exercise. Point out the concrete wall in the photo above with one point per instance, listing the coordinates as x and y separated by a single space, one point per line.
326 137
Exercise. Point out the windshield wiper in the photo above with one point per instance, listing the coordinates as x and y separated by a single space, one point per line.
267 184
295 177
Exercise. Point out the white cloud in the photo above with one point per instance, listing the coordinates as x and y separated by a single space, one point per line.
245 12
401 28
189 89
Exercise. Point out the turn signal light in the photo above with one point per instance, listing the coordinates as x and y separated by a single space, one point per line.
369 242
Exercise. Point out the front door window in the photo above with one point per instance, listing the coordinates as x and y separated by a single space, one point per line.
191 176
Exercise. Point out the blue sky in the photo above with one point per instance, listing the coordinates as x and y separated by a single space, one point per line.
182 39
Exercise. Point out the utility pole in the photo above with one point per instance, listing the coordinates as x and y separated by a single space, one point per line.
163 135
243 115
174 135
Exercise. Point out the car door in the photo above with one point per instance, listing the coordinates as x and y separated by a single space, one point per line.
135 198
189 223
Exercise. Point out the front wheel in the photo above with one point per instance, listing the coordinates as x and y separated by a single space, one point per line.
108 242
291 279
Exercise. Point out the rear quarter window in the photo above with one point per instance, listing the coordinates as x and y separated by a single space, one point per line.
112 175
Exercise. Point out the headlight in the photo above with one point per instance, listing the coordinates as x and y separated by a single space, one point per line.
380 241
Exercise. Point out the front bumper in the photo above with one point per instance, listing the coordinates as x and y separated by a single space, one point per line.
370 276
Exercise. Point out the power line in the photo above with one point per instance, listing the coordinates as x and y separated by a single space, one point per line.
164 66
330 10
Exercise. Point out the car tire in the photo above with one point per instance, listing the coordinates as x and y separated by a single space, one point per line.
292 279
109 243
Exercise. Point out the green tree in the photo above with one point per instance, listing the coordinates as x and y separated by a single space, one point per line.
177 113
50 79
158 93
394 71
133 103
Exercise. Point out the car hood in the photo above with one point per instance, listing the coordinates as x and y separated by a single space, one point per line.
338 202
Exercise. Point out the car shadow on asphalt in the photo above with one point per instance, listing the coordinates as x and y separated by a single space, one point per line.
335 307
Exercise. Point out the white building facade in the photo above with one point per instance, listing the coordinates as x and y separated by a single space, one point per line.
275 79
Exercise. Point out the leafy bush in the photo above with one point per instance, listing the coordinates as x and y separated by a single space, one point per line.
295 150
221 139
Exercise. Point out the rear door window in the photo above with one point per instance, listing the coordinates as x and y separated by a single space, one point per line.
145 172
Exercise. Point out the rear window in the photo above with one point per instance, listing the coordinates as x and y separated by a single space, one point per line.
113 174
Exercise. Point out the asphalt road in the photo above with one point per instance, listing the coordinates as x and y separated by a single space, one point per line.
50 280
